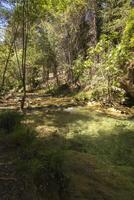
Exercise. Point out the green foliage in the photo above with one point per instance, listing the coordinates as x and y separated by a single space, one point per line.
60 90
60 32
78 68
9 120
61 6
128 36
57 166
99 93
117 148
104 71
113 23
83 96
125 50
95 140
22 137
38 162
39 166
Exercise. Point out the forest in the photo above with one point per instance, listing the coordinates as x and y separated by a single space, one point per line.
66 99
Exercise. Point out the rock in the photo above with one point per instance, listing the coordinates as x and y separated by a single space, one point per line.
113 110
93 103
69 109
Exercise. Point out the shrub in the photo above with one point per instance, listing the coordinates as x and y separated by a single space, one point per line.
23 137
9 120
82 96
44 169
60 90
49 170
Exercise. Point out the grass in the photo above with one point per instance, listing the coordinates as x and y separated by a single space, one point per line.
9 120
91 156
39 166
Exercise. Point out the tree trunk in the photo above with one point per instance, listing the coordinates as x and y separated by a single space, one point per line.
45 75
56 74
8 59
24 49
18 62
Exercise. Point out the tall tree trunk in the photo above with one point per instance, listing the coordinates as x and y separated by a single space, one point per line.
18 62
8 59
94 22
24 49
45 74
56 74
69 60
94 35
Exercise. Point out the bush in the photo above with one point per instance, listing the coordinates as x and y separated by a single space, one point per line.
49 171
60 90
9 120
22 137
40 167
83 96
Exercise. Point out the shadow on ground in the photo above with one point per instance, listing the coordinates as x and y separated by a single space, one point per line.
55 167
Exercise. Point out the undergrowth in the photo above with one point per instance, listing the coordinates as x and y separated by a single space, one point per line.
9 120
40 167
80 167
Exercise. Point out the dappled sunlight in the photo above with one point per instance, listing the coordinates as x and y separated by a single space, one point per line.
99 122
91 132
61 120
77 121
72 153
66 100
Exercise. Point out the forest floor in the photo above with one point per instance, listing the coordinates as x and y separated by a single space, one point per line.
89 152
45 101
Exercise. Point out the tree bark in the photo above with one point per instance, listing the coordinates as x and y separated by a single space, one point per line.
18 62
8 59
24 49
